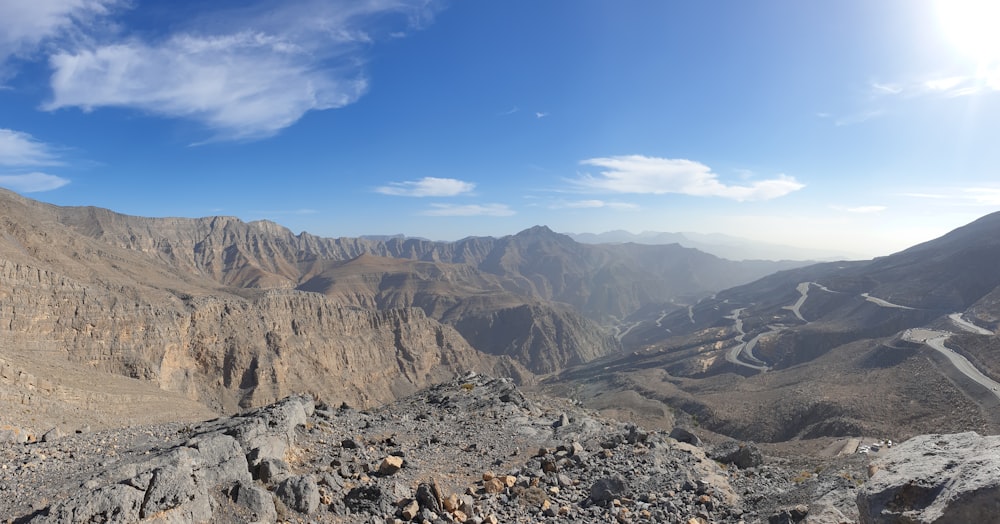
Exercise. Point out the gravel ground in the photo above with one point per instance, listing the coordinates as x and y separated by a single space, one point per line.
474 449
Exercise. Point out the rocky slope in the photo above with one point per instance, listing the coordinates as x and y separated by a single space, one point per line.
825 350
235 314
473 449
935 479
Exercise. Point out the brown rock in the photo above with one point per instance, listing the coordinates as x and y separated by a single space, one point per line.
390 465
451 503
410 510
494 485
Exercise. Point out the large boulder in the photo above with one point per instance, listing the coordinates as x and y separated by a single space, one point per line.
182 483
743 455
934 479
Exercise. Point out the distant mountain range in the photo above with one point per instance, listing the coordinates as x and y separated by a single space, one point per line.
228 314
235 314
720 245
899 345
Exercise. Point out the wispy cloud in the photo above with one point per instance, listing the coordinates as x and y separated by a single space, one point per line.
26 24
985 80
966 196
244 74
886 89
652 175
860 209
540 114
468 210
427 187
510 111
21 149
32 182
592 204
857 118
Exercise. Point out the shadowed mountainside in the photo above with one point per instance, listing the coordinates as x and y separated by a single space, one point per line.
831 349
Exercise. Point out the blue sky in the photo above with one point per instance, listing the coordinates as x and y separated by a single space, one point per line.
854 125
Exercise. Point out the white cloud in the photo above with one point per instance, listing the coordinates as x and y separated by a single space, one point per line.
32 182
244 73
21 149
540 114
861 209
593 204
652 175
427 187
454 210
984 80
24 24
242 86
966 196
887 89
944 84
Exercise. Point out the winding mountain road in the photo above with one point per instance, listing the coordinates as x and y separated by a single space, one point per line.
884 303
968 326
803 289
936 339
742 354
733 355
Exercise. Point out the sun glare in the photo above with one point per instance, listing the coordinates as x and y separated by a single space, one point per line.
972 27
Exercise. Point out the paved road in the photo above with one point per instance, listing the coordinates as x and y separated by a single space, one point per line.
803 289
963 365
883 303
733 355
968 326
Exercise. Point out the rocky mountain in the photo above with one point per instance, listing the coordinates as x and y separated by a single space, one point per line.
903 344
232 314
476 449
720 245
472 449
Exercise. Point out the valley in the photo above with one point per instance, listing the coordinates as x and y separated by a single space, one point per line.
108 320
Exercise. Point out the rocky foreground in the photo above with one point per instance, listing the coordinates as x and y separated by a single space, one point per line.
474 449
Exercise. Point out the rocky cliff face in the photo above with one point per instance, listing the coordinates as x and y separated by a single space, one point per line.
236 314
229 351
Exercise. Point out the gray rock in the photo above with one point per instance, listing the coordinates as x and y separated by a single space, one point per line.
52 435
743 455
607 489
169 488
257 501
935 479
299 493
685 435
12 435
427 498
369 499
118 503
178 484
789 515
271 471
